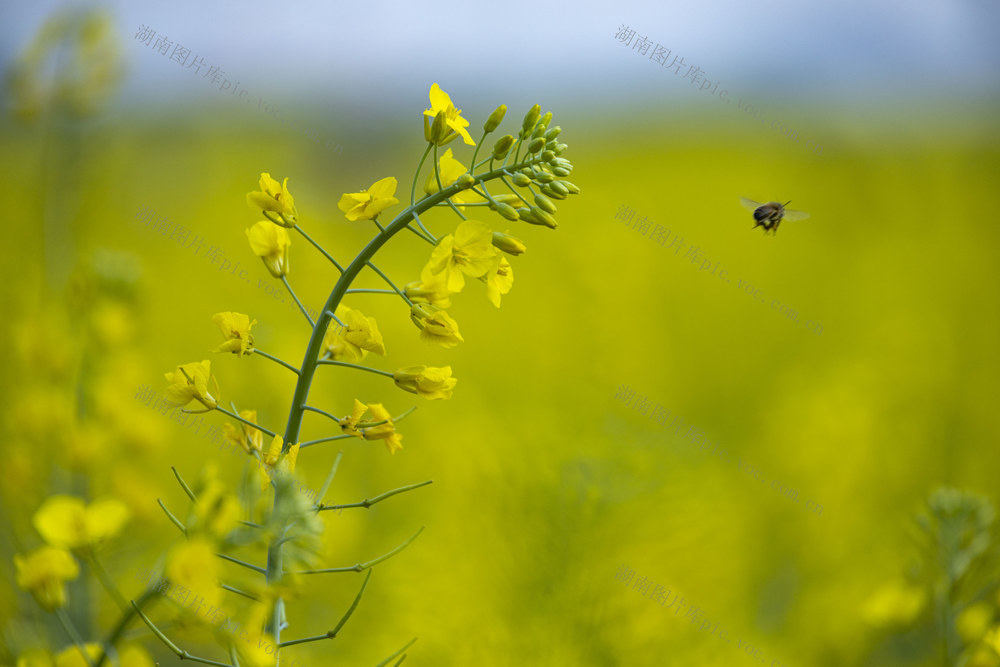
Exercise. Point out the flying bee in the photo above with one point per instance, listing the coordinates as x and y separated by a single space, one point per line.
770 215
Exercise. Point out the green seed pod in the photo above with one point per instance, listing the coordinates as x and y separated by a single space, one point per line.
521 180
536 145
544 177
573 189
502 146
548 156
552 133
544 217
558 186
465 181
530 119
508 212
545 203
509 244
495 118
547 190
560 171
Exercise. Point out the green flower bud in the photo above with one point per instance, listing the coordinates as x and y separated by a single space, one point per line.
558 186
573 189
507 199
539 130
506 211
495 118
560 171
521 180
526 215
560 149
465 181
554 194
547 118
508 243
548 156
545 203
439 128
552 133
536 145
502 146
530 119
544 177
544 216
427 127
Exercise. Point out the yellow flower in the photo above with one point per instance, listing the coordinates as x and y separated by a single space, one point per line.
64 521
349 424
386 431
450 169
434 292
440 101
270 242
194 565
274 451
247 437
992 639
974 621
894 604
275 198
469 251
429 382
190 383
134 655
44 573
236 328
367 204
35 657
216 511
436 326
358 335
499 281
73 657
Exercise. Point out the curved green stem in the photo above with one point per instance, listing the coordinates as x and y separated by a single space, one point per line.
388 280
320 248
284 279
361 567
330 362
247 422
276 360
74 636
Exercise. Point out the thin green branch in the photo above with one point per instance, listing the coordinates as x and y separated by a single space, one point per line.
310 443
320 248
276 360
322 412
333 633
123 622
329 478
361 567
232 589
392 284
366 503
437 175
108 582
366 290
305 312
174 520
247 422
249 566
71 631
179 652
386 661
187 489
347 364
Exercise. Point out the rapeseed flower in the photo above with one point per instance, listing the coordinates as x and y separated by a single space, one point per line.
190 383
367 204
236 328
66 522
275 198
427 381
44 573
469 251
440 101
270 242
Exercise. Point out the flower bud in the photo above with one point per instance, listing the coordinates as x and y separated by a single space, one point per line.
507 198
521 180
560 149
545 203
557 186
439 128
561 171
544 216
507 243
526 215
555 194
465 181
502 146
544 177
506 211
539 130
552 133
547 118
530 119
573 189
495 118
536 145
548 156
427 127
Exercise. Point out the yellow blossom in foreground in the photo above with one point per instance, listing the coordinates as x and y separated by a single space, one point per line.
274 451
64 521
236 328
291 457
434 292
469 251
427 381
449 169
436 326
270 242
134 655
35 657
359 335
275 198
386 431
190 383
367 204
217 510
44 573
440 101
247 437
73 657
194 565
499 281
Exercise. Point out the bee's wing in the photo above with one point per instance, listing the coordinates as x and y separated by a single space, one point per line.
749 204
793 215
